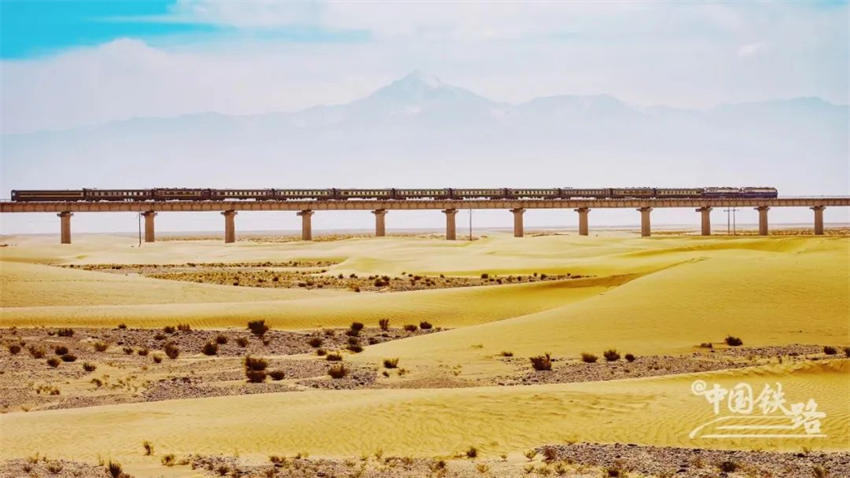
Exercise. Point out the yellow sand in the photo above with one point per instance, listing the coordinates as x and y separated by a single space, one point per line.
430 422
647 296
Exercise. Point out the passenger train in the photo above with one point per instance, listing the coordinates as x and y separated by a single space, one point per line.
207 194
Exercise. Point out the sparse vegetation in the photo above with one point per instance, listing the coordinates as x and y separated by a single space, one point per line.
277 375
69 358
338 371
171 350
143 352
169 329
60 350
611 355
242 342
255 369
221 339
210 348
733 341
425 325
847 352
410 327
100 346
184 327
588 358
541 362
65 332
358 326
471 452
384 324
14 349
391 363
168 460
53 362
148 448
334 357
115 469
36 352
258 327
829 350
315 342
507 353
728 466
630 358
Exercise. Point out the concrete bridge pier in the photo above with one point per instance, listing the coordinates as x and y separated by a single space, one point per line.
451 230
706 220
229 226
65 227
518 230
149 226
645 229
380 222
582 220
306 224
818 219
762 219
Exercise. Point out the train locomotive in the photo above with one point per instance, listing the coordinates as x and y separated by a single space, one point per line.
208 194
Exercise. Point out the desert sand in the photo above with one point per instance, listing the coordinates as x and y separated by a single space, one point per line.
649 297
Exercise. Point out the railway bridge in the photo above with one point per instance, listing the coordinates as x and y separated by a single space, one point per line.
449 207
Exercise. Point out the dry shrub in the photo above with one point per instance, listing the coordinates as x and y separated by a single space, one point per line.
315 342
277 374
221 339
410 327
65 332
733 341
60 350
611 355
53 362
384 324
69 358
334 357
210 348
541 362
425 325
171 350
588 358
36 352
391 363
258 327
14 349
100 346
630 358
242 341
338 371
89 367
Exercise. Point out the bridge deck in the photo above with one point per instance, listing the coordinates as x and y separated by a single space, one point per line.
141 206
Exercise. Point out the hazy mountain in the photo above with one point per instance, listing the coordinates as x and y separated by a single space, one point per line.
419 131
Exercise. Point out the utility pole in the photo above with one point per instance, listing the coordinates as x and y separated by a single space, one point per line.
140 229
730 220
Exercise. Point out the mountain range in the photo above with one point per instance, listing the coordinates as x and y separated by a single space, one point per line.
419 131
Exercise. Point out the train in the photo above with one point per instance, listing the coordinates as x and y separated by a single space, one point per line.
209 194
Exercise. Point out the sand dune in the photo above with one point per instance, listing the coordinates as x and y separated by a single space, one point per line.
430 422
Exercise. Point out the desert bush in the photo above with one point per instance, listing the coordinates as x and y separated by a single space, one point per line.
338 371
168 460
706 345
221 339
148 448
611 355
630 358
69 358
254 363
353 341
425 325
733 341
53 362
356 348
829 350
541 362
65 332
384 324
143 352
352 332
115 470
320 352
277 374
472 452
530 454
255 376
485 276
122 325
100 346
184 327
588 358
169 329
847 351
242 342
54 467
210 348
171 350
36 352
507 353
60 350
728 466
258 327
333 357
14 349
391 363
410 327
157 358
315 342
89 367
159 336
128 350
